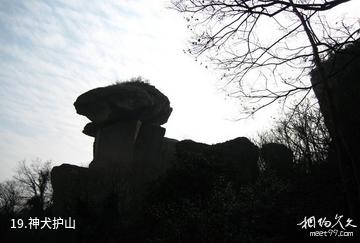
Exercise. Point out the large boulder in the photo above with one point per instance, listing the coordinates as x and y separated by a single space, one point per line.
126 174
86 192
235 159
125 101
72 188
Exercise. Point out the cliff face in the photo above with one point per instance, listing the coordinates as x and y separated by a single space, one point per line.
342 71
341 110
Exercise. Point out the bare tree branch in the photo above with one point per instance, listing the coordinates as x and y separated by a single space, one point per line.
231 34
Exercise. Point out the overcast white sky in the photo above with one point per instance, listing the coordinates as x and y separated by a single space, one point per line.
53 51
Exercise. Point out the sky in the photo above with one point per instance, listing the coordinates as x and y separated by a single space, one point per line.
53 51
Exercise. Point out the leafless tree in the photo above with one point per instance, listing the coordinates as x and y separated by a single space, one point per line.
265 48
10 197
303 130
34 180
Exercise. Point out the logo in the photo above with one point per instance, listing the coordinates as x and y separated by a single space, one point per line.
323 227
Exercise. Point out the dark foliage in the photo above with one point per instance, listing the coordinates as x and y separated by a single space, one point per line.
194 202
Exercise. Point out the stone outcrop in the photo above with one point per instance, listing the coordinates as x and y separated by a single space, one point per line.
237 158
130 152
342 72
129 148
75 189
121 102
340 108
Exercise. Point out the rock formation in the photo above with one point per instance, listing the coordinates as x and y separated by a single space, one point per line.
129 148
127 101
340 108
236 158
130 151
